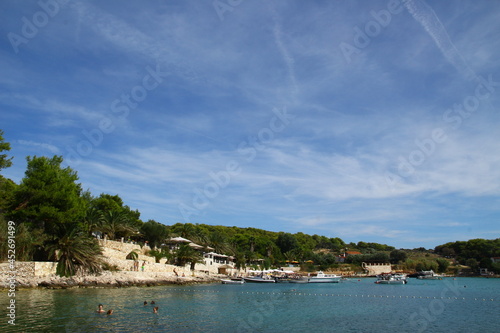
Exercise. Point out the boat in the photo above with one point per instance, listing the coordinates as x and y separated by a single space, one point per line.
429 275
259 279
299 280
280 279
324 278
232 281
392 279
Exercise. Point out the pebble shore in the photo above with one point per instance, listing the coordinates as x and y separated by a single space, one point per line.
113 280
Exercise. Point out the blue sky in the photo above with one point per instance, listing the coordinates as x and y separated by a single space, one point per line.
372 121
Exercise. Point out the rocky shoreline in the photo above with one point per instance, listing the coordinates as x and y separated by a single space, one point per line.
112 280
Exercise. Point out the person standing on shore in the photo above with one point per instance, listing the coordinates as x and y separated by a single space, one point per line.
143 264
136 265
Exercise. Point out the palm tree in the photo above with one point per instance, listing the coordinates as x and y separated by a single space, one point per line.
289 256
188 231
270 248
199 236
133 255
252 241
232 248
74 250
92 220
159 254
186 254
218 242
114 223
240 260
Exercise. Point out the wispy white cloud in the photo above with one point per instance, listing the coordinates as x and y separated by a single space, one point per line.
426 16
58 113
45 146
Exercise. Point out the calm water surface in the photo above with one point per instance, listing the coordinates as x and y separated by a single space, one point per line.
450 305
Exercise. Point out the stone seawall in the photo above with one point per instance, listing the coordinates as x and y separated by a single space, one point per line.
29 269
108 279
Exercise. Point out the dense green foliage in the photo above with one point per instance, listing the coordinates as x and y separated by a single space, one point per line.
48 195
5 161
475 253
7 190
155 233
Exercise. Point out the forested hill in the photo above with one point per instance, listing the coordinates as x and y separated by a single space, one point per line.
474 253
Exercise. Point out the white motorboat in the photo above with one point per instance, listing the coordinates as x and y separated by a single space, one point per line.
227 281
429 275
392 279
258 279
324 278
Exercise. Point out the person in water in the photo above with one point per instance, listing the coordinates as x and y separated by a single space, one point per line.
100 309
152 302
110 312
145 303
155 309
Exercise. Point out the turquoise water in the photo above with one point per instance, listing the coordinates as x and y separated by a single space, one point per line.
460 305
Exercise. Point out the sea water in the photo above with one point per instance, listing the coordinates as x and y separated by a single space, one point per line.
356 305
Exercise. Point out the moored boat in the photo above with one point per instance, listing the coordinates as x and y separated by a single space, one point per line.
232 281
258 279
280 279
429 275
392 279
324 278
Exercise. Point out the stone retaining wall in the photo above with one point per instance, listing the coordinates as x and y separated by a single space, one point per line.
45 268
123 247
29 269
376 268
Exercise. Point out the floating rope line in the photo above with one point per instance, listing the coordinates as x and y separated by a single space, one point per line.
343 295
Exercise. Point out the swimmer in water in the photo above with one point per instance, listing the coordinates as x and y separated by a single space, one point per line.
145 303
155 309
110 312
100 309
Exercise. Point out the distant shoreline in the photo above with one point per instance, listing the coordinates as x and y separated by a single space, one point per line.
111 280
136 279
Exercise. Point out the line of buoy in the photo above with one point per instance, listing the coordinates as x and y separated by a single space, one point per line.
340 295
